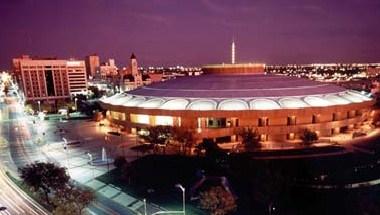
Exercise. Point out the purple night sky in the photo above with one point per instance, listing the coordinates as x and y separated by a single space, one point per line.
194 32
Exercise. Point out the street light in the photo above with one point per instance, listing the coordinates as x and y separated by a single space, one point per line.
108 165
91 163
183 197
183 211
66 152
76 107
39 106
144 200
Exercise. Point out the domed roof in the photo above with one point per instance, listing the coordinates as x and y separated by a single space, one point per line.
236 92
236 86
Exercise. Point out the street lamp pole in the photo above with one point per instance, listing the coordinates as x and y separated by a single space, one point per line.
76 106
183 197
66 152
39 106
108 165
145 207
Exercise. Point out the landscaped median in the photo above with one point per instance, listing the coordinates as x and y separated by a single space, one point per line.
26 193
50 186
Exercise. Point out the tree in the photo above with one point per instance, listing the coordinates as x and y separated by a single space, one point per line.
250 138
120 161
157 135
6 89
308 137
217 201
270 185
212 149
72 200
183 136
44 177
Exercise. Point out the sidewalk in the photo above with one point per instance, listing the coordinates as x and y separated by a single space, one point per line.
85 174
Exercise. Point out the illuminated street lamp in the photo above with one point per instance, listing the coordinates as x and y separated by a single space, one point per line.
66 152
76 106
183 197
183 203
144 200
39 106
106 138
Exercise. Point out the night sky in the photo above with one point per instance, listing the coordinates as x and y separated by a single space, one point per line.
192 32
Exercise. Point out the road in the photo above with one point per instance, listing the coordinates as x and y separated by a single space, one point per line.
15 200
21 143
12 135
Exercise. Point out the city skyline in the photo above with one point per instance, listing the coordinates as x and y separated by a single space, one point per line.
192 33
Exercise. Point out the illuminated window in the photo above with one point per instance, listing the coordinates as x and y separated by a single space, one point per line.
140 118
216 123
291 136
164 120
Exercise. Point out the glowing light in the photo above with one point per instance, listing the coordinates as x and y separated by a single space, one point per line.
73 63
164 120
140 118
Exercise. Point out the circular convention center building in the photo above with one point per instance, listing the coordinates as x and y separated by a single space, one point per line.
228 97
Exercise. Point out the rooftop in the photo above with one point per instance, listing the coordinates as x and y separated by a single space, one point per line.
236 86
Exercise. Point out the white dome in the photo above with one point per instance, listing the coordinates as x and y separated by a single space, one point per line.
264 104
291 102
152 103
175 104
315 101
202 105
233 104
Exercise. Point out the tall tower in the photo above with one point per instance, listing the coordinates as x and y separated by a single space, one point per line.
233 52
134 69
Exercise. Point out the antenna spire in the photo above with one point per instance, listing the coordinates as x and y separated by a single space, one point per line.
233 51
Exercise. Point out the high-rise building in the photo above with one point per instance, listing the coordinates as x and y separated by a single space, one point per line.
133 65
49 78
92 64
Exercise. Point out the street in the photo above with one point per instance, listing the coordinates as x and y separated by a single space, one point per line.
14 154
26 140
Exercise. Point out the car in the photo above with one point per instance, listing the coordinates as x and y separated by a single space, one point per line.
3 208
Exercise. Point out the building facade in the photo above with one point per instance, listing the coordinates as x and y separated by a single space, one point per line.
49 78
